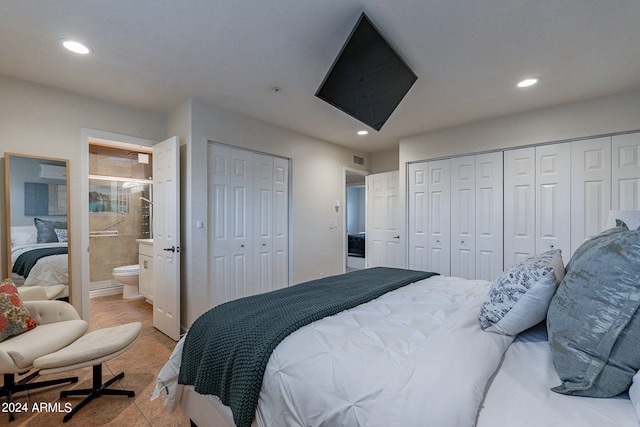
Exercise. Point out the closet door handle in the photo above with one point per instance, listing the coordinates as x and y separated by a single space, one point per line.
172 249
396 237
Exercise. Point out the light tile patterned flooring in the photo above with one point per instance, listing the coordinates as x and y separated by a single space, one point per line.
141 363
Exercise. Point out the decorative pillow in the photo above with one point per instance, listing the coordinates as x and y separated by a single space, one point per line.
593 319
590 242
23 235
634 394
46 229
14 317
61 234
519 298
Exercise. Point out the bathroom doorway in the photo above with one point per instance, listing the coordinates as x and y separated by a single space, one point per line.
355 220
120 216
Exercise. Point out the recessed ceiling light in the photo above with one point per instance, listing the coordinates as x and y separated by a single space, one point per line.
529 82
363 132
76 47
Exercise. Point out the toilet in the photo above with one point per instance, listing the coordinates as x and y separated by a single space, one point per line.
128 276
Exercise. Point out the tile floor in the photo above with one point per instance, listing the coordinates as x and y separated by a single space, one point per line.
141 364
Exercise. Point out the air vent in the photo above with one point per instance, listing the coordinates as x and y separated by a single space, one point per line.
358 160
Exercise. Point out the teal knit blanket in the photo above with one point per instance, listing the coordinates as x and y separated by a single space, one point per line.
227 348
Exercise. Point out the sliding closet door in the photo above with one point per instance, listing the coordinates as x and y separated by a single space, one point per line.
489 216
590 189
519 205
553 197
626 172
417 202
463 217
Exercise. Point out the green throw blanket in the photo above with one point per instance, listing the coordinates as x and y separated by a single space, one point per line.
227 349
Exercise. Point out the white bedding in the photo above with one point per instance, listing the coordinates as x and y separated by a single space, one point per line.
414 357
48 271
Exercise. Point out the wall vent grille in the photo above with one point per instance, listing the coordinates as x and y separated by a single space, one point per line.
358 160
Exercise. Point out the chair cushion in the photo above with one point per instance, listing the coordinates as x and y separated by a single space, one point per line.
96 346
18 353
14 316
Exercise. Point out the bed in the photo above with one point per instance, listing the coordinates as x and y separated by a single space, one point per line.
446 351
39 264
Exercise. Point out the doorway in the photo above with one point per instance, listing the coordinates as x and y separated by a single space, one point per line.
355 214
114 205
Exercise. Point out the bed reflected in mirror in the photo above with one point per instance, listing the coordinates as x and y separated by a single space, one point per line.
37 216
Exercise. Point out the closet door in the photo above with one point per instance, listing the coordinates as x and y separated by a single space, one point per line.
280 243
553 197
417 189
625 172
230 213
590 189
488 215
519 205
439 218
263 222
463 217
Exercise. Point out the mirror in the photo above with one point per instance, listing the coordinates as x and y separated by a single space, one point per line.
37 216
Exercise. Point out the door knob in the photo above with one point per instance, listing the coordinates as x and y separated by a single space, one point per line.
172 249
396 237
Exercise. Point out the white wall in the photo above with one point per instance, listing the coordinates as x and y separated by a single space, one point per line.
318 180
42 121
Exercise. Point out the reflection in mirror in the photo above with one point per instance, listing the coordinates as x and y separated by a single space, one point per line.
37 215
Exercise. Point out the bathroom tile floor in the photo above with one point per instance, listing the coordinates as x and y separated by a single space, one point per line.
141 363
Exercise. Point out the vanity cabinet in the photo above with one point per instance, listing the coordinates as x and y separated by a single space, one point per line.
145 258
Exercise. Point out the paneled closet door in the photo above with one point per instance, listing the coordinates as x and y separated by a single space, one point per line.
489 216
280 241
590 189
553 197
519 205
417 178
230 213
625 171
439 218
263 223
463 217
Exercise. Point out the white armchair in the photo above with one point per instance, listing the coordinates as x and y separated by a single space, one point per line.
58 326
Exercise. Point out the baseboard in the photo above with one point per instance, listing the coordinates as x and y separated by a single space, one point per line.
113 290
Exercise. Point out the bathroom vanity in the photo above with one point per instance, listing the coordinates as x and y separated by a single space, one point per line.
145 258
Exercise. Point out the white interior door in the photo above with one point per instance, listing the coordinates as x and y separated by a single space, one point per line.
489 216
166 237
384 225
625 172
463 218
439 220
417 176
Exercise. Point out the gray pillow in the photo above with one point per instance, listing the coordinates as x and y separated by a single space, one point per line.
46 230
593 319
519 298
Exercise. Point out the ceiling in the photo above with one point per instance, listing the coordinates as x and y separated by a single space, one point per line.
468 55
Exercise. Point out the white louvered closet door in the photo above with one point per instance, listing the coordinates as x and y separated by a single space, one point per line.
439 216
463 217
626 172
519 205
553 197
590 189
417 178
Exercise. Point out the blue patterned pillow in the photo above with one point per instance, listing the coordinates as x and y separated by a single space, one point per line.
520 297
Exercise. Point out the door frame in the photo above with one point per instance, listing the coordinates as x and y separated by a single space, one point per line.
345 171
109 138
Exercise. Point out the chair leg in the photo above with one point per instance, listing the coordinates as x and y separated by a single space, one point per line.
10 386
98 389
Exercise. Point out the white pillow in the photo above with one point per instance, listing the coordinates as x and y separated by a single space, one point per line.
520 297
23 235
634 394
61 234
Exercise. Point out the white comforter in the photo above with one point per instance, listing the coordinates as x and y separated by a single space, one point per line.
414 356
47 271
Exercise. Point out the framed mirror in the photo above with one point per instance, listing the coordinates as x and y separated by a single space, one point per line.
37 216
